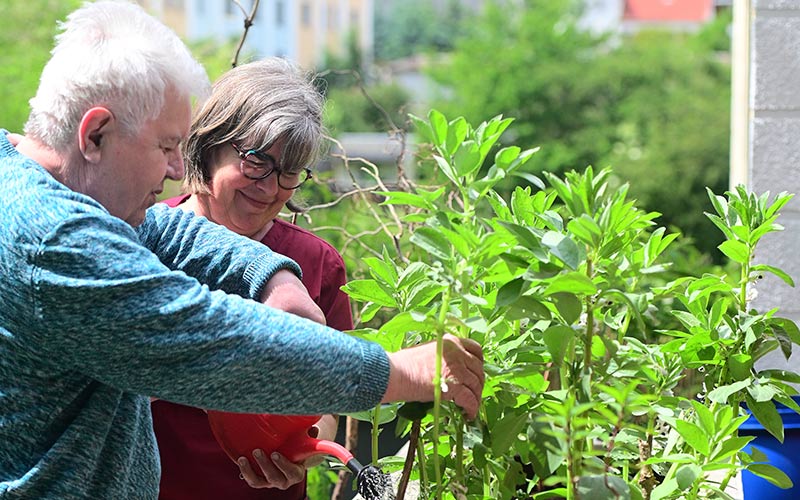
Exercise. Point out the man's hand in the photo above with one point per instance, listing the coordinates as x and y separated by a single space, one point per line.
286 292
412 371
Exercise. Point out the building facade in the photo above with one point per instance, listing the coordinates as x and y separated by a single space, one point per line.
304 31
630 16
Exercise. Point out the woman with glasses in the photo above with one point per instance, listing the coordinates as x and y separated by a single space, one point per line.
248 150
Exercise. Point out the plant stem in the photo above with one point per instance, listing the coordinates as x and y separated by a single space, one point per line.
646 476
572 476
413 439
376 416
587 348
423 473
745 277
437 388
459 423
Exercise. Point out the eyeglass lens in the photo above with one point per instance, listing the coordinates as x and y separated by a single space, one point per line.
262 166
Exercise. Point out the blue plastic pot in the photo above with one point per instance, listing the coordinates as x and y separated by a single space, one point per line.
785 456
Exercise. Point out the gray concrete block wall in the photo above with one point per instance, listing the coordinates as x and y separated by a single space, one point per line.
774 163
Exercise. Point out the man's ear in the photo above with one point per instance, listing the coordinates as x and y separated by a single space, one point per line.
94 125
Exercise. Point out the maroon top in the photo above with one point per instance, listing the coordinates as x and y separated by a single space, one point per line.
193 466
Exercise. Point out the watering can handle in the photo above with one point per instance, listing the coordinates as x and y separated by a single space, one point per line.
300 446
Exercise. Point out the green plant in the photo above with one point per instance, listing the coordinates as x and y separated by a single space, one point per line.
564 286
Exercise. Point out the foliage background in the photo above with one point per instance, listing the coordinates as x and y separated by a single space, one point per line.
654 106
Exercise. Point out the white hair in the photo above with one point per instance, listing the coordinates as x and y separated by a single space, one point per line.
110 54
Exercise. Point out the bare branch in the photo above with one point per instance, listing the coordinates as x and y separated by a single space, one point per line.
340 198
248 21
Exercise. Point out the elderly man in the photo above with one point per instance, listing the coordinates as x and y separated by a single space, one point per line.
106 301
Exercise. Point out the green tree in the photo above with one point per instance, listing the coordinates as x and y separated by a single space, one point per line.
673 130
654 105
26 38
413 26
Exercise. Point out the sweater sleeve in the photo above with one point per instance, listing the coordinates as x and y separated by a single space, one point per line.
209 252
106 306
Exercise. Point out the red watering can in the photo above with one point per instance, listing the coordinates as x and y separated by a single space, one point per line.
240 433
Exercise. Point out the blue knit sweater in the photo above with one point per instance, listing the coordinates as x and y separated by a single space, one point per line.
96 316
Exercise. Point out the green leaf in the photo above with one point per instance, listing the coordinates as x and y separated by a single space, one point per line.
510 292
771 474
390 343
722 393
545 451
368 291
447 169
527 307
438 128
557 339
786 328
573 282
420 199
467 158
506 156
664 490
415 410
382 269
694 436
774 270
705 417
524 235
687 475
423 128
405 322
782 375
415 272
456 133
506 431
433 242
369 311
568 305
586 229
532 179
740 366
736 251
730 447
767 415
563 248
762 392
601 487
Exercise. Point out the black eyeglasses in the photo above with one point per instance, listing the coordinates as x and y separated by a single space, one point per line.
257 165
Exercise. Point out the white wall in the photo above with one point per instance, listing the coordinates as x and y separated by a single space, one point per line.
774 145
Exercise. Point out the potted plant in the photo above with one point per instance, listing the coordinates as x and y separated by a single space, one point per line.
588 334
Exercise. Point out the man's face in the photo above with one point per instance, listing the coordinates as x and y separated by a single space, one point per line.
136 166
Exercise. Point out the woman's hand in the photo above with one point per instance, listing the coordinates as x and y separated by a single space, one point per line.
276 471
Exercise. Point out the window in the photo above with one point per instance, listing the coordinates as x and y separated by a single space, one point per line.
279 13
333 21
305 14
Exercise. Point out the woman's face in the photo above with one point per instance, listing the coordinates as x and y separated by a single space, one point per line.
243 205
